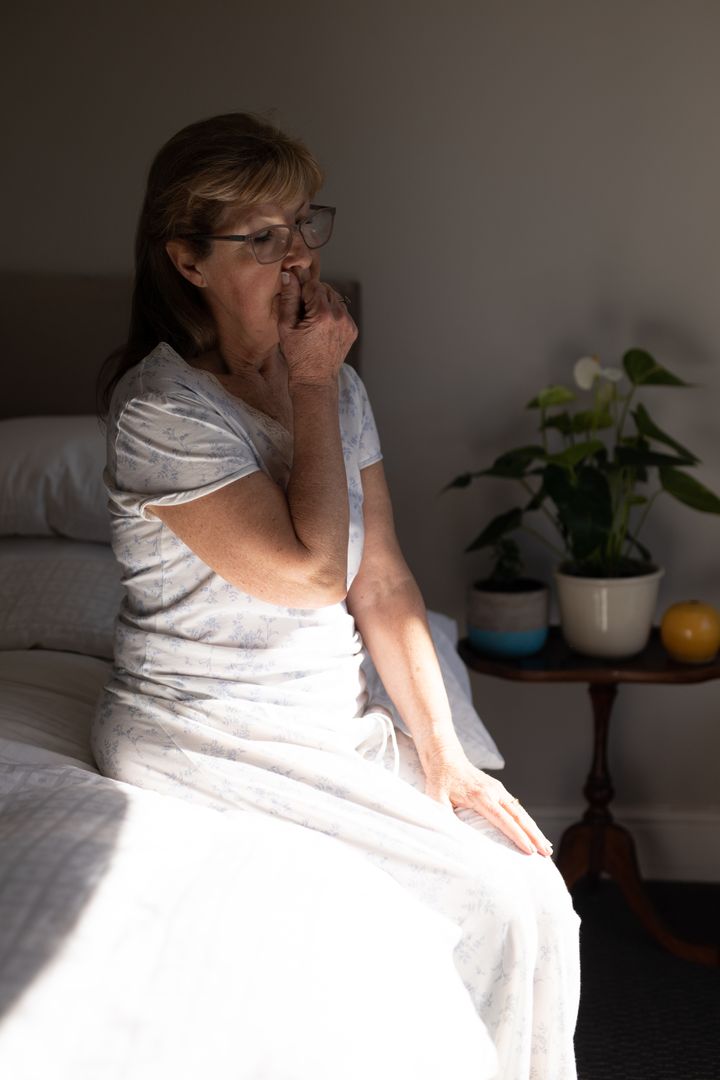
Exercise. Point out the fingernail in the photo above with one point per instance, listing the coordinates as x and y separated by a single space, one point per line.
284 277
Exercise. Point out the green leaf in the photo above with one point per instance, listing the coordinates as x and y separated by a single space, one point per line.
572 457
562 422
462 481
686 489
630 457
508 561
643 370
641 475
650 430
584 508
591 419
580 422
514 463
550 396
537 500
503 523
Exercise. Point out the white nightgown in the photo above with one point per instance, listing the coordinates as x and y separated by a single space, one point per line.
224 699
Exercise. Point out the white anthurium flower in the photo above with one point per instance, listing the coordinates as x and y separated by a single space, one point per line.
587 369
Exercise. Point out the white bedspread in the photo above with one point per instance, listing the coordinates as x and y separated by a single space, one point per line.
145 939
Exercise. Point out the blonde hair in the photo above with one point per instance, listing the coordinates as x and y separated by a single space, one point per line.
199 176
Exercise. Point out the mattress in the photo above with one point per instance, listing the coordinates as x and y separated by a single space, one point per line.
146 938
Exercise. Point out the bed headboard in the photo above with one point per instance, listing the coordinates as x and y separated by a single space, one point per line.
57 329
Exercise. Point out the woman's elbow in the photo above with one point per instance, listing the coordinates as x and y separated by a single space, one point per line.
292 579
327 585
312 582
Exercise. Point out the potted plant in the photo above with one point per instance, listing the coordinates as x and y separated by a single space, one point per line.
508 614
594 476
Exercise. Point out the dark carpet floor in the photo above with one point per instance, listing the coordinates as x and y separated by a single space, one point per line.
645 1014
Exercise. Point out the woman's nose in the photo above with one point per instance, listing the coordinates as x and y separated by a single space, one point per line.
299 253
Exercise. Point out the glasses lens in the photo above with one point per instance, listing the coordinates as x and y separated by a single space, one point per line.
273 244
317 228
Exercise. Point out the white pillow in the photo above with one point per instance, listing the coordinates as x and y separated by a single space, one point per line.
51 477
47 701
58 594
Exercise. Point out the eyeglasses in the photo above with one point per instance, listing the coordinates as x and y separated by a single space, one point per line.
273 243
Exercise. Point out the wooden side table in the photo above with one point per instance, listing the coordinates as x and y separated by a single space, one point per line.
597 843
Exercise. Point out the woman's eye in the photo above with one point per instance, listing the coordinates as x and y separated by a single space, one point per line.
263 237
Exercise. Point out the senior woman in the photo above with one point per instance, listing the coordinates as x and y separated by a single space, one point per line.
251 517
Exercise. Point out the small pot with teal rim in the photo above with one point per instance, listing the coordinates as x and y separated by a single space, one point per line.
508 618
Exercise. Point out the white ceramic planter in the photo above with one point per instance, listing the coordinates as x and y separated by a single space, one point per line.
607 617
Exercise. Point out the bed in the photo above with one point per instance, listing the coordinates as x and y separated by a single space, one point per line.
142 937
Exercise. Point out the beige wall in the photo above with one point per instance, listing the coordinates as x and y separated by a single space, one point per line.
518 183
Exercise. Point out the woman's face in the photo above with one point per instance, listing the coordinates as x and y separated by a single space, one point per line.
243 294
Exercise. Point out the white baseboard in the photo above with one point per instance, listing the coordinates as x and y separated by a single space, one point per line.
672 844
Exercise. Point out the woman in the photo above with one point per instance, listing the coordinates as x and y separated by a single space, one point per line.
264 581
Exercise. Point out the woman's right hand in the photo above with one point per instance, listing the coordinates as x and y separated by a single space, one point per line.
287 544
316 331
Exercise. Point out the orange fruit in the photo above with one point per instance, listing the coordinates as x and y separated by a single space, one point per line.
690 632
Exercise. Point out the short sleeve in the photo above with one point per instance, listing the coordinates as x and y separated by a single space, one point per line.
369 450
164 451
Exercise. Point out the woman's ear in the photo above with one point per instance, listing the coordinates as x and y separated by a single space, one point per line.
185 262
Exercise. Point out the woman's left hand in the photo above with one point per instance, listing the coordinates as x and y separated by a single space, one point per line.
450 779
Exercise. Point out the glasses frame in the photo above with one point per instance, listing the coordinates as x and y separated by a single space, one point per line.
250 237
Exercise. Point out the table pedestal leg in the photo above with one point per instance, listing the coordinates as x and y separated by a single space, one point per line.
598 844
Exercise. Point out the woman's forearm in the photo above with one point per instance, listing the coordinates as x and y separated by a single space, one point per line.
317 488
395 631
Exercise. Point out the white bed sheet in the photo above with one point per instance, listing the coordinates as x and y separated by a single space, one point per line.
145 939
